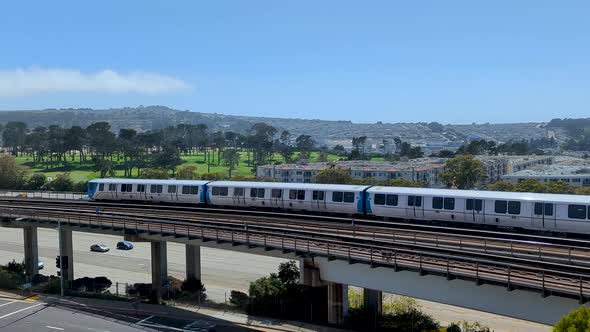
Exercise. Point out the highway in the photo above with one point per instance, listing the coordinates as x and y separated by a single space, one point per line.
222 270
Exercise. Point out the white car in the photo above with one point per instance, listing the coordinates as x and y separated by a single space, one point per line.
99 248
40 265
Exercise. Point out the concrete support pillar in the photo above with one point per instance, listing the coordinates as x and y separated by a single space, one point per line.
373 300
159 267
193 261
31 251
309 274
337 303
67 253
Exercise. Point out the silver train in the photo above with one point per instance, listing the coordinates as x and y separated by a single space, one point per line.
547 212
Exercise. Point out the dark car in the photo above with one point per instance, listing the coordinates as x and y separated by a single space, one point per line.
124 245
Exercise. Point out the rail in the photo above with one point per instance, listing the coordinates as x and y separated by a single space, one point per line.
66 195
453 265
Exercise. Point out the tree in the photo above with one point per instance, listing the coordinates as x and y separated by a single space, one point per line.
12 176
305 144
36 181
187 172
334 176
13 136
501 186
463 172
289 272
62 182
358 151
168 158
154 173
261 141
231 157
575 321
284 146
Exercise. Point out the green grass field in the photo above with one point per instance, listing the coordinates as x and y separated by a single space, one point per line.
86 171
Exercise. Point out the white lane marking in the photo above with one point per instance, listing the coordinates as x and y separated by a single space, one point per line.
145 319
54 328
23 309
7 303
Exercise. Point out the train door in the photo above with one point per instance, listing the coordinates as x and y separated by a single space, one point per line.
276 198
474 210
318 200
415 207
238 197
543 216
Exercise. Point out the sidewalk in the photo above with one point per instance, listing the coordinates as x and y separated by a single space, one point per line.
222 318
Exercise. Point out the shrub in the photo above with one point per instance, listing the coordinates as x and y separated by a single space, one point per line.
239 299
576 320
36 181
14 267
453 328
140 290
62 182
94 285
10 280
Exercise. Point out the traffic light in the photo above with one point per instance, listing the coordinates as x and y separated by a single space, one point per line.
65 262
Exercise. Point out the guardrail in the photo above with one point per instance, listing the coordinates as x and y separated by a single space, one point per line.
42 194
479 268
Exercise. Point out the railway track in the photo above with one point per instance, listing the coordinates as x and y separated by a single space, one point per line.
574 257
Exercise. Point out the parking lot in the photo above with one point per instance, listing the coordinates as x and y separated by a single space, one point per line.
35 315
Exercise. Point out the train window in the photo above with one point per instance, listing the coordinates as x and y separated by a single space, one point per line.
318 195
513 207
379 199
239 192
156 188
172 189
301 195
101 187
575 211
469 204
538 209
253 192
449 203
414 200
292 194
478 205
260 192
91 186
186 190
437 202
220 191
548 209
194 190
391 200
112 187
276 193
500 206
337 196
140 188
348 197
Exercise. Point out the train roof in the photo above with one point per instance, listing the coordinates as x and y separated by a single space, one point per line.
482 194
151 181
283 185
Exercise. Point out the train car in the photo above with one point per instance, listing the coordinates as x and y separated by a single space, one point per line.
548 212
331 198
147 190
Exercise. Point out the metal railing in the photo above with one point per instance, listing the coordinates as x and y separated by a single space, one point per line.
42 194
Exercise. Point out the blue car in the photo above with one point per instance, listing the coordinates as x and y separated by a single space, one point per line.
124 245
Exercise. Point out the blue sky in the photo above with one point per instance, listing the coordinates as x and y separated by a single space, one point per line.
365 61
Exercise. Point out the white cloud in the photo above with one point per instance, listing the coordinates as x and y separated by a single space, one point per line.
27 82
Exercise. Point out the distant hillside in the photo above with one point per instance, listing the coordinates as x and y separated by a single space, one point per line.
154 117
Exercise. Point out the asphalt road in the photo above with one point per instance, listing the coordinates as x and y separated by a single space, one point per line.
222 270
